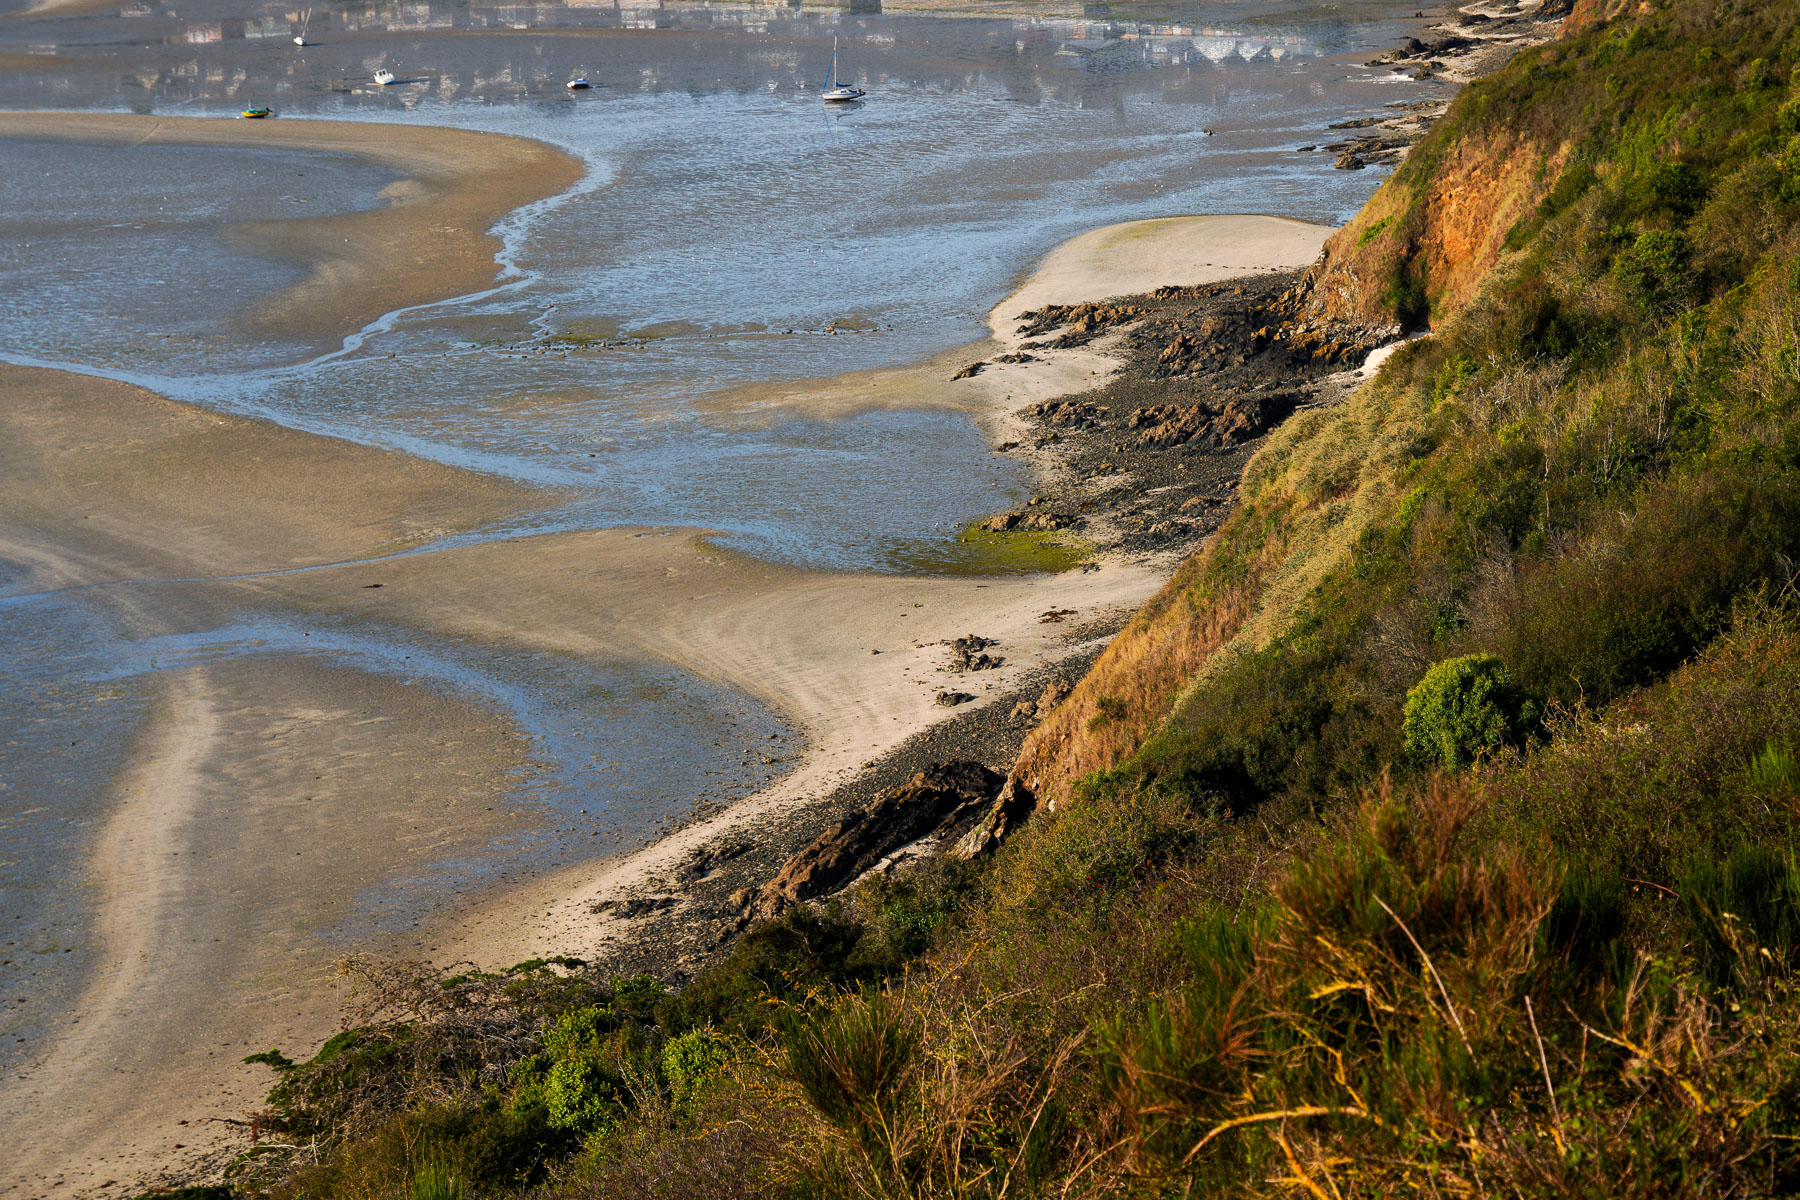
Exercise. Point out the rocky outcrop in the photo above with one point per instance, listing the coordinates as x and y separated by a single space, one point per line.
1012 808
1065 414
1239 420
1084 322
970 654
932 799
1029 522
1053 694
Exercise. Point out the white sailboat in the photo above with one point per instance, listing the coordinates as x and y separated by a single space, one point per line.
832 90
305 20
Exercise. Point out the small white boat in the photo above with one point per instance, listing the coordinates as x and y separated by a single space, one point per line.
305 20
833 91
578 84
385 77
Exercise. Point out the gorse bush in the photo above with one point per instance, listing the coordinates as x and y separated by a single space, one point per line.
1657 272
1463 709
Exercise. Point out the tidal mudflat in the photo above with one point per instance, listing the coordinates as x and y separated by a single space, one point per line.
441 485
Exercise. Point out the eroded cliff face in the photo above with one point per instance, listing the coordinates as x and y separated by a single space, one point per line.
1418 252
1420 249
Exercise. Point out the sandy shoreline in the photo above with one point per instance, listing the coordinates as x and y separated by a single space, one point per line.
1115 260
102 483
430 241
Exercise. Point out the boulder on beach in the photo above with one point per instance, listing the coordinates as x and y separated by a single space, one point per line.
1028 522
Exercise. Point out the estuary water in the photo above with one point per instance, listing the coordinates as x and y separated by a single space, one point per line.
729 230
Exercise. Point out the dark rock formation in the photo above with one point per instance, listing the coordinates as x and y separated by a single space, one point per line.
1041 522
932 799
1012 808
1239 420
1084 322
1066 414
967 654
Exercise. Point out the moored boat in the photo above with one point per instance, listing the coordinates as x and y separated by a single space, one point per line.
832 91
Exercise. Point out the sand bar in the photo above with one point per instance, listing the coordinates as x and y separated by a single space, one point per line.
430 241
1141 256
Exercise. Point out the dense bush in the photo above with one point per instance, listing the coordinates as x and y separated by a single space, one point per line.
1464 709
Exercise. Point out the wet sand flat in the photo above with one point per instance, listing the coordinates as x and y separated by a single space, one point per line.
217 830
430 241
265 796
147 487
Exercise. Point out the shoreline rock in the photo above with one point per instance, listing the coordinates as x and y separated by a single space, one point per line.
932 799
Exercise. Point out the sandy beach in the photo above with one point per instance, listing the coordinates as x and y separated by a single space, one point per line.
429 241
1115 260
105 484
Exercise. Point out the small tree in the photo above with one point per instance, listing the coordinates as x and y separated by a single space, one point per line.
1463 708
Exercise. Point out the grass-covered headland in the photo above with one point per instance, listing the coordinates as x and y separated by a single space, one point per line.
1431 833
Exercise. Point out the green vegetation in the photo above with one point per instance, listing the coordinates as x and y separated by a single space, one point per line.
1463 709
981 552
1458 859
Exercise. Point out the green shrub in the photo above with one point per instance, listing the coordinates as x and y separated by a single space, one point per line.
1656 273
777 963
436 1149
581 1095
1674 188
692 1060
1463 709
